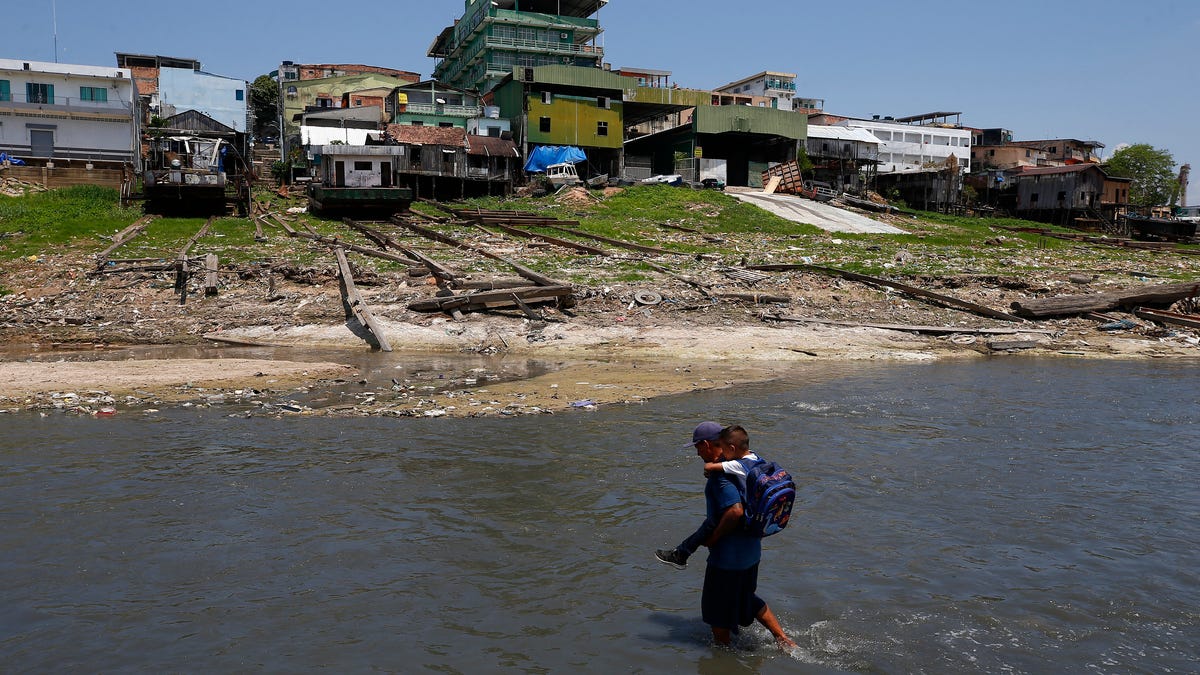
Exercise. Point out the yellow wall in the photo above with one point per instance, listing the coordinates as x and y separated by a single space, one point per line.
574 121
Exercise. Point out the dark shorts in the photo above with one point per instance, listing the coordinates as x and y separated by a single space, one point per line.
728 600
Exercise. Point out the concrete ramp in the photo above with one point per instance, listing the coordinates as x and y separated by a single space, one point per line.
827 217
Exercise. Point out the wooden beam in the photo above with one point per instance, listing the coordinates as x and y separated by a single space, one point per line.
493 299
210 276
196 237
905 288
1173 318
615 242
932 330
353 299
535 277
1163 294
123 237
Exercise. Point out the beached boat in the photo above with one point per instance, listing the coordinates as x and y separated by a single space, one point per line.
1147 228
562 174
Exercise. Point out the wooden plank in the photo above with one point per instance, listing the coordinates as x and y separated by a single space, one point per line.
355 302
756 298
492 299
533 276
196 237
1173 318
123 237
772 185
615 242
553 240
210 276
911 290
240 342
702 287
932 330
1163 294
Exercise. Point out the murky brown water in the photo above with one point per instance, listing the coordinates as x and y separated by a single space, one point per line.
994 516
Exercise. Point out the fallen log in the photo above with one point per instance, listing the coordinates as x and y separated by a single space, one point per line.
1164 294
905 288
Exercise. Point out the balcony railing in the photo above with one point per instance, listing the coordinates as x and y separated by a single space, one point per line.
16 100
543 46
447 110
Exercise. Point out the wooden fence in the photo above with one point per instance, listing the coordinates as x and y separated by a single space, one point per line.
58 177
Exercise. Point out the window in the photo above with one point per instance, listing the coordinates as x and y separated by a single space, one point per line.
418 123
1062 196
546 97
445 125
364 166
493 132
97 94
601 128
239 95
603 102
291 92
544 125
39 93
1033 198
5 91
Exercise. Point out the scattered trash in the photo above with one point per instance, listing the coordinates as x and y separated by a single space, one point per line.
583 404
1123 324
647 298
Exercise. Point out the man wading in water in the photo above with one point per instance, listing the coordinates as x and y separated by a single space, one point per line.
731 576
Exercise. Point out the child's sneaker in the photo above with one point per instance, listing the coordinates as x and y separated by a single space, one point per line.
673 557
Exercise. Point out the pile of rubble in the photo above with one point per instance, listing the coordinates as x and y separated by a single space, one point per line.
11 187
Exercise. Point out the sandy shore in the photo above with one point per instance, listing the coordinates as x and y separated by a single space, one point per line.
594 365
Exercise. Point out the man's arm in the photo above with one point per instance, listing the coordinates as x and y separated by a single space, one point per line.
730 520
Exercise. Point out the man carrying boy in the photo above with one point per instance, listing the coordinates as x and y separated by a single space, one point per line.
731 576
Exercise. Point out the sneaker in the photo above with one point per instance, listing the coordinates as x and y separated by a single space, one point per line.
671 557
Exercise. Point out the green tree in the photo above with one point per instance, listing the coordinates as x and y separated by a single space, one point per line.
264 102
1152 170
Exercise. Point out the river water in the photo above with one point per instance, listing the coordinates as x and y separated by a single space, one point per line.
1006 515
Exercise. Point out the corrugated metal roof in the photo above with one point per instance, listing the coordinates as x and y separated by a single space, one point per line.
1048 170
488 146
422 135
750 120
842 134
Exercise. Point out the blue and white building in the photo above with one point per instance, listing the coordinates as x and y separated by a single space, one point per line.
61 111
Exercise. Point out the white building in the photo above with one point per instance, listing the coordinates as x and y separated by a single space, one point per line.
907 148
60 111
779 87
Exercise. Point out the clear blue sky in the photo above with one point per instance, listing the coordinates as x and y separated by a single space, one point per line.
1110 70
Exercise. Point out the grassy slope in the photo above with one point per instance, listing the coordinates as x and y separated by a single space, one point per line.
82 220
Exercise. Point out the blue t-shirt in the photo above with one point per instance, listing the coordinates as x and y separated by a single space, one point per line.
736 550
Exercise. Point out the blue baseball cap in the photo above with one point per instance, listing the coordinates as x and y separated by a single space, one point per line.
706 431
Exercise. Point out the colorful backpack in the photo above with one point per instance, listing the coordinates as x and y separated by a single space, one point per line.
768 494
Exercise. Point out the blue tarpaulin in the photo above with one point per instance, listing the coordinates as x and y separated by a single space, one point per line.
546 155
5 157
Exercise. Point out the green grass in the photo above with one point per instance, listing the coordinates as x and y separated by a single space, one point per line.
39 223
728 232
